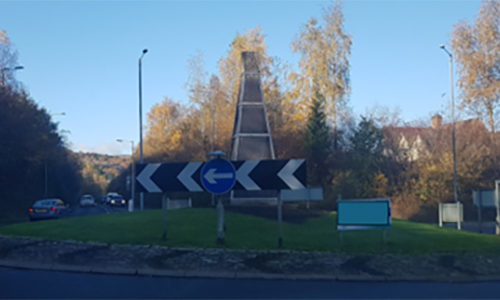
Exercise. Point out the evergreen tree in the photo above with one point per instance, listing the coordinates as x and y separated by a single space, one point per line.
317 141
366 157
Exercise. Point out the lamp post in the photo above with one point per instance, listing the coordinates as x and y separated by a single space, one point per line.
46 168
132 167
140 116
9 69
452 125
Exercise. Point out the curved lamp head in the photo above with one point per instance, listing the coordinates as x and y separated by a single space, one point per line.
144 51
441 46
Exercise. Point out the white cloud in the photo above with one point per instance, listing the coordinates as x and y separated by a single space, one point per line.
114 148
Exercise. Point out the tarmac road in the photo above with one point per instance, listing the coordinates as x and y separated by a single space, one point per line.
19 283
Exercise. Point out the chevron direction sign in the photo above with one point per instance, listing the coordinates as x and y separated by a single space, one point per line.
251 175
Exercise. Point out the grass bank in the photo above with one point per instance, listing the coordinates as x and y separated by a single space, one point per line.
197 228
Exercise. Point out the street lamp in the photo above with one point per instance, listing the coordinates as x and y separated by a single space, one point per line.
133 165
9 69
140 115
46 173
452 124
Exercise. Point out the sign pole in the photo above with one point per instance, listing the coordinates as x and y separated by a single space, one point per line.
479 211
164 237
220 223
280 240
497 203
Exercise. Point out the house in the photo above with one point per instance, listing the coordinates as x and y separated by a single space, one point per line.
411 143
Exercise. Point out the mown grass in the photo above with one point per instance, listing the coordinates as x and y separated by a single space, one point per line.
197 228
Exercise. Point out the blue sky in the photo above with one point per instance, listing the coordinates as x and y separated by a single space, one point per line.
81 57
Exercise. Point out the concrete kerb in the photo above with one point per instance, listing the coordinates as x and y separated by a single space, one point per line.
229 275
114 271
71 268
241 275
160 273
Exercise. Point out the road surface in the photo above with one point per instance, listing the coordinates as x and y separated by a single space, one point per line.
18 283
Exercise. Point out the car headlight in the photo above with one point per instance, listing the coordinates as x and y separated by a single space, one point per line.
112 201
123 201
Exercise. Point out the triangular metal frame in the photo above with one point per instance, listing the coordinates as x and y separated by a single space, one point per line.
249 130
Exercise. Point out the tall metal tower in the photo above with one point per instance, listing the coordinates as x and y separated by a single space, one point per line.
251 134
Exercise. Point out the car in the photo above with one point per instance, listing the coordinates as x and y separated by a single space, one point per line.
117 200
87 200
48 209
108 197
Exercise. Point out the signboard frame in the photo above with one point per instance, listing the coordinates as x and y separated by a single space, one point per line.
354 226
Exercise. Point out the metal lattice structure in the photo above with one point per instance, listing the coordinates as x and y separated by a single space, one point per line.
251 134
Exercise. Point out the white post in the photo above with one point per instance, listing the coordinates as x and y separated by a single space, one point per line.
459 212
440 214
190 203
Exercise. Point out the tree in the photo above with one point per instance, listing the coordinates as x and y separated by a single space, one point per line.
30 145
317 142
476 49
8 60
197 90
164 128
324 63
231 66
366 157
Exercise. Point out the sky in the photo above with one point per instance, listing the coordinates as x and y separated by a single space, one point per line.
81 57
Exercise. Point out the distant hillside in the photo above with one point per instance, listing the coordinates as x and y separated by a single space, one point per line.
101 168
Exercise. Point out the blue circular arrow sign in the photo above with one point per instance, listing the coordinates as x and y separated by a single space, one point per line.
218 176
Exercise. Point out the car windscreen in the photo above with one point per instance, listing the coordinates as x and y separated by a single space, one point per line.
44 203
117 198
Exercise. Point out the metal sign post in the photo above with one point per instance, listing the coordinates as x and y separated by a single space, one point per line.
497 203
280 239
220 222
479 212
164 202
218 177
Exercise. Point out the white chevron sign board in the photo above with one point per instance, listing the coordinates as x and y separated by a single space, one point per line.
251 175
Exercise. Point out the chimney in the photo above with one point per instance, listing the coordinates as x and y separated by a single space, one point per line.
437 121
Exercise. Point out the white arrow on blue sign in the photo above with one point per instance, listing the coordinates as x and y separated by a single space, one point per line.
218 176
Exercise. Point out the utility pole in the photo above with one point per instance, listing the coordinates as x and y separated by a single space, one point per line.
140 115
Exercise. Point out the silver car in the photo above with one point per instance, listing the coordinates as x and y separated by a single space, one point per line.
87 200
47 209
